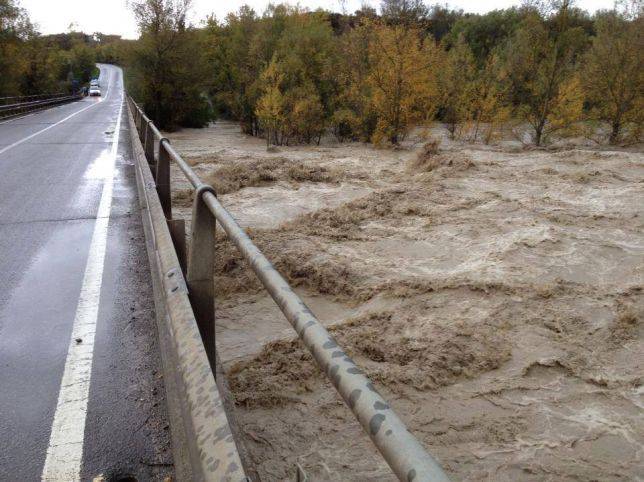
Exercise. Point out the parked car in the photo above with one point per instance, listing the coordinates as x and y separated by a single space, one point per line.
94 82
94 90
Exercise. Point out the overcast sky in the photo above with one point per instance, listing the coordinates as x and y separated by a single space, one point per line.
114 16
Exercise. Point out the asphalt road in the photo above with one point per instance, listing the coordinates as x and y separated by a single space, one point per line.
81 391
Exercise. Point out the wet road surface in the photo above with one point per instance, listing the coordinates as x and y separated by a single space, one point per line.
81 392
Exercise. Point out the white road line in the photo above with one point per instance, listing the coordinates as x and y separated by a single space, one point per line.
65 451
17 143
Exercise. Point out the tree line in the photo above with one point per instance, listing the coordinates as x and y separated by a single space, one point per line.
290 75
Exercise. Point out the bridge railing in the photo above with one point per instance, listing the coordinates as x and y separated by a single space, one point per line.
12 106
400 449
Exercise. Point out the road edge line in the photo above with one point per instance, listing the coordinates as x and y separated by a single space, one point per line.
65 450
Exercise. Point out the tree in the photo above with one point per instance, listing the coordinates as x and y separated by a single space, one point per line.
354 116
45 68
15 31
167 67
235 62
270 106
402 79
539 64
307 119
403 12
82 62
489 105
441 20
614 74
484 33
456 87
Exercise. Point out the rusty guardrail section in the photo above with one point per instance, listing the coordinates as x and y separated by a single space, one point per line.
203 445
402 451
12 106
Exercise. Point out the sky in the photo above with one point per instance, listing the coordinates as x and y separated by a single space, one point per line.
114 16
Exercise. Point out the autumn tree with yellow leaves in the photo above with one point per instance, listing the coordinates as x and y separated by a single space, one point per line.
456 86
490 111
270 106
403 80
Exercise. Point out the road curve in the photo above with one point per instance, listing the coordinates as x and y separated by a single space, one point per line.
81 391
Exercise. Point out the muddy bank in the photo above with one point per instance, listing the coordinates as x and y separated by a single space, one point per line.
494 295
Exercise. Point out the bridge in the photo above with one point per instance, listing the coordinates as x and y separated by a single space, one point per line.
108 363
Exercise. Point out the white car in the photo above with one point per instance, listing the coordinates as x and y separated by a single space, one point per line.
94 90
94 82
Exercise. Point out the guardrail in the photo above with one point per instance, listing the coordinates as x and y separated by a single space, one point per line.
400 449
27 98
202 440
12 106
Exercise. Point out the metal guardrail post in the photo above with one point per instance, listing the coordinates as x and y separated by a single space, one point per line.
140 126
201 267
177 227
149 146
142 131
163 178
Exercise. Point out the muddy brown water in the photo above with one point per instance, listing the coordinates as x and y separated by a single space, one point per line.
496 301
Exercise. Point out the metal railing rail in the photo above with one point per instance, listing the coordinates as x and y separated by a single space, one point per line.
17 108
26 98
400 449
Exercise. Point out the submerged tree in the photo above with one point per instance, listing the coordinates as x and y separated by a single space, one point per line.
614 74
373 76
235 60
270 107
402 78
490 109
353 114
539 63
456 87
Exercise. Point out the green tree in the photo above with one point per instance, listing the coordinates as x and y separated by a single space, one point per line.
45 68
167 64
82 62
404 12
539 65
354 116
614 74
15 32
484 33
233 68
